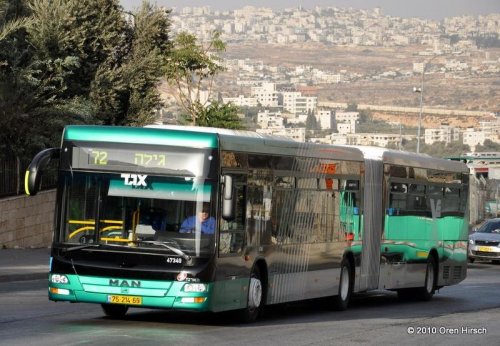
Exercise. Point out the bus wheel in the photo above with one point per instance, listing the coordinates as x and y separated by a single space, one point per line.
255 294
114 311
341 300
427 291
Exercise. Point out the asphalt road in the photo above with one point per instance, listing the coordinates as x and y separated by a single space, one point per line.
464 314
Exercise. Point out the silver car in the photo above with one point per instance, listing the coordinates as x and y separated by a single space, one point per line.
484 243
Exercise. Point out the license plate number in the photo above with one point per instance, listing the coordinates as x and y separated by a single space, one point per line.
485 249
129 300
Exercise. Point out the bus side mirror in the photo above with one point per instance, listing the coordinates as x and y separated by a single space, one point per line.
33 176
228 198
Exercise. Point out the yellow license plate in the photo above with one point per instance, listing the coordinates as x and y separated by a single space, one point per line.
485 249
129 300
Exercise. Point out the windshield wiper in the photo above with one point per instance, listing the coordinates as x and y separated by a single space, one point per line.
171 248
79 247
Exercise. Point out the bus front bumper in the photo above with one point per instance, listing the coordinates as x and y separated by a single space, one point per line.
135 293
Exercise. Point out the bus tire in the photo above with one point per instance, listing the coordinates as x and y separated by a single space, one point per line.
255 298
340 302
426 292
114 311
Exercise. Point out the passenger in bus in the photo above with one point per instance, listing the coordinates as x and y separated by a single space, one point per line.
207 222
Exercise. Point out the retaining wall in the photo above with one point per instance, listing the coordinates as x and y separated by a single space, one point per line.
26 222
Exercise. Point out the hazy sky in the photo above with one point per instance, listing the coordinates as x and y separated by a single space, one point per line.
431 9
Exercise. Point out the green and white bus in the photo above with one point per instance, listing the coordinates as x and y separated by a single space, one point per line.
293 220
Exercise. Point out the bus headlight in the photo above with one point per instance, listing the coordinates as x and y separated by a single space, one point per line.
59 279
195 288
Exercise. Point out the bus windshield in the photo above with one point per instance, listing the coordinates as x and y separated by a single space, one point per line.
138 211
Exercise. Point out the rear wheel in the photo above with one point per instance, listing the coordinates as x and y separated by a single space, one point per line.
114 311
341 300
255 298
425 293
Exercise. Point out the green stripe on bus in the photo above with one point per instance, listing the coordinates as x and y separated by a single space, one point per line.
140 135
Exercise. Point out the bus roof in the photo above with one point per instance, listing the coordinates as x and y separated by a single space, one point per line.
404 158
251 142
248 141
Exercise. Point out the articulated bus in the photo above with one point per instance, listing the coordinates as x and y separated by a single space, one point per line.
293 221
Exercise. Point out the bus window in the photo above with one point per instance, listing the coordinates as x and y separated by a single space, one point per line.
103 209
451 201
416 198
397 198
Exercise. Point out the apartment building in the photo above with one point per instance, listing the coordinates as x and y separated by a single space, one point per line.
345 128
373 139
326 119
268 120
241 101
445 133
346 117
471 137
297 134
266 94
295 102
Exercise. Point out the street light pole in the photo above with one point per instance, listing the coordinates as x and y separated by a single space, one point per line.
421 91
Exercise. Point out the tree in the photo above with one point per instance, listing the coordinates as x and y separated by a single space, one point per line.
488 145
12 17
311 122
220 115
190 71
74 61
23 90
352 107
126 91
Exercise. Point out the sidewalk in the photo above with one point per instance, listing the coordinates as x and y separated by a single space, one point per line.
24 264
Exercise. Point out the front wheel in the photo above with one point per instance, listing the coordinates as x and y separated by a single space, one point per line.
255 298
114 311
341 300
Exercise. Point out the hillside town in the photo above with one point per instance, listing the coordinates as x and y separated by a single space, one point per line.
286 96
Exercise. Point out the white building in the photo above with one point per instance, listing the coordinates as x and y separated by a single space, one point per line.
337 139
266 94
445 133
267 120
345 128
471 137
374 139
241 101
298 119
294 102
346 117
326 119
297 134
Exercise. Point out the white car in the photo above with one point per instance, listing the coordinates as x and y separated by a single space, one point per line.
484 243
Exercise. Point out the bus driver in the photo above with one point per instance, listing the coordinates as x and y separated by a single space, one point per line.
207 222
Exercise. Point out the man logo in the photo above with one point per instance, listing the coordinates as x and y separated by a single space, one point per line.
124 283
135 179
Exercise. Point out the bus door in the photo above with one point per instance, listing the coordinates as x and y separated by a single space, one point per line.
231 274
